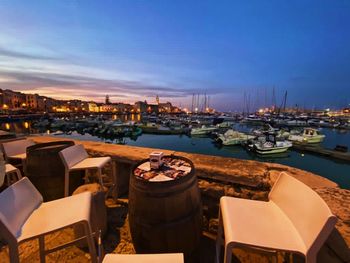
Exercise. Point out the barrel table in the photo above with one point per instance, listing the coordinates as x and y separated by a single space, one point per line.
45 169
165 210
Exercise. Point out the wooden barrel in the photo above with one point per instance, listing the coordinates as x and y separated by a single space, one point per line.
165 217
45 169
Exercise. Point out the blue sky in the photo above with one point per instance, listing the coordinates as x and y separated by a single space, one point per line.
135 50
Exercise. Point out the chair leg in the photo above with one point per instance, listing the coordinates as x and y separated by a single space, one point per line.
114 179
14 254
24 165
8 179
42 249
18 173
228 253
90 241
86 176
219 239
99 174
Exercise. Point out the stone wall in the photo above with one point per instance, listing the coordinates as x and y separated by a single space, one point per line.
220 176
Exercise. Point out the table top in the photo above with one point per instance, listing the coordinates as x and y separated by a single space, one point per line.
173 168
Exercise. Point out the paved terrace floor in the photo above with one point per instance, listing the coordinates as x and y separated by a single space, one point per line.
215 169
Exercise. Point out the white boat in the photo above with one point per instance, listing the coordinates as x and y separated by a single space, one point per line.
269 145
282 134
225 124
267 128
204 130
253 119
328 123
309 135
296 123
232 137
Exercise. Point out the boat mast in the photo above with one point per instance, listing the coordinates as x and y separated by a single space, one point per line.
192 103
273 98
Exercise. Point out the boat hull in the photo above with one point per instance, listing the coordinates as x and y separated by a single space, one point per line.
272 151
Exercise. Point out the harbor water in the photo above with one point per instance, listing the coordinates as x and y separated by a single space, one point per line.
335 170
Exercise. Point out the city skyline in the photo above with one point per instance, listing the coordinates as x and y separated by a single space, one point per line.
135 51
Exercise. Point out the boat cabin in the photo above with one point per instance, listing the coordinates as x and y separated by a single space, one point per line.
311 132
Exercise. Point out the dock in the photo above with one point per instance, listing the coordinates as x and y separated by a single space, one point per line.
319 150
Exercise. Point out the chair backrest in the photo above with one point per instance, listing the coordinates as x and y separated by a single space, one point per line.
17 203
307 211
16 147
73 155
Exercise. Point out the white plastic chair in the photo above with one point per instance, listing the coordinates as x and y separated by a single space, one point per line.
12 174
76 158
24 216
295 219
144 258
16 150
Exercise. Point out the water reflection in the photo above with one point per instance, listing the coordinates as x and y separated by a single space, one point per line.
334 170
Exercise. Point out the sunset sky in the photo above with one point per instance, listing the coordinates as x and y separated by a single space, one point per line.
134 50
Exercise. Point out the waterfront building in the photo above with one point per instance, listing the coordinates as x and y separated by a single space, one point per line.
108 108
12 99
32 101
165 107
140 106
93 107
124 107
152 108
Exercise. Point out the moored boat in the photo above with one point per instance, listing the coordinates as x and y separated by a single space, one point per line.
232 137
309 135
204 130
269 145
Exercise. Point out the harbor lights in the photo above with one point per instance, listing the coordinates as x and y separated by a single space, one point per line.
196 109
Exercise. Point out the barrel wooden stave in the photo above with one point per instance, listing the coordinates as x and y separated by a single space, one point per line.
165 217
45 169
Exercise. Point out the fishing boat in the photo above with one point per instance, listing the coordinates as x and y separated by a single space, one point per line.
204 130
269 145
232 137
309 135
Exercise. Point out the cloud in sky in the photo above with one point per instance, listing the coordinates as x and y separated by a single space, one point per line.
4 52
24 73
